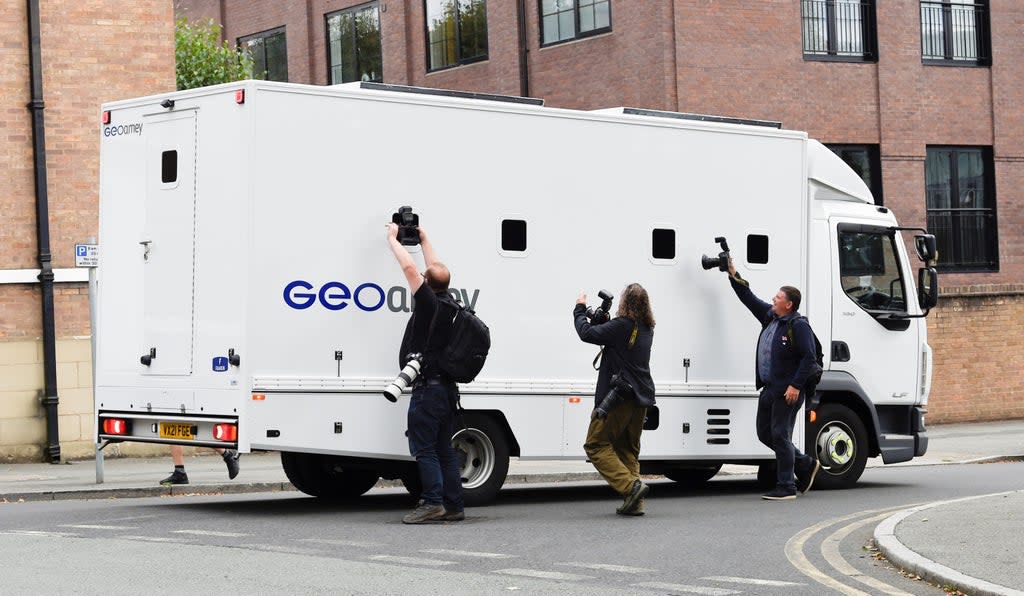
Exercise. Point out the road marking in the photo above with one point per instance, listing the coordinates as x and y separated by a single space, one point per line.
210 533
750 580
464 553
153 539
830 550
98 527
355 543
411 561
687 588
605 567
288 550
42 533
795 552
543 574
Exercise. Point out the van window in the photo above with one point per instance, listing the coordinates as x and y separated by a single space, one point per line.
757 249
663 243
513 235
869 270
169 167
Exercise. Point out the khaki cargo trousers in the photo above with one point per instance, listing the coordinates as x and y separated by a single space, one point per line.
613 445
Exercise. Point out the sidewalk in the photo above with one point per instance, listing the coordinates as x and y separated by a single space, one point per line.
970 543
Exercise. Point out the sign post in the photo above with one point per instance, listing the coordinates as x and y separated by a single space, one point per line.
88 255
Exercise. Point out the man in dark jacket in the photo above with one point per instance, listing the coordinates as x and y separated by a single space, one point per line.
784 362
613 439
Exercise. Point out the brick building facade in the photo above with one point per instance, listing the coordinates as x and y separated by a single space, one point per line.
900 81
90 53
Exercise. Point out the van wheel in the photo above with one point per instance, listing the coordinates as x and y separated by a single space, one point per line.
840 442
320 476
483 449
692 477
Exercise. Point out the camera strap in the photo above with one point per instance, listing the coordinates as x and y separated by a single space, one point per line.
597 359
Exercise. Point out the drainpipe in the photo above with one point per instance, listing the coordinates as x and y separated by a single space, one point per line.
50 398
524 66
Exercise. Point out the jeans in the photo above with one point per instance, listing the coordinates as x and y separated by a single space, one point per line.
613 445
775 421
431 415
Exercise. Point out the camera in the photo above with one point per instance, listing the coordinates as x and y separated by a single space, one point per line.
721 261
404 378
620 392
600 314
408 226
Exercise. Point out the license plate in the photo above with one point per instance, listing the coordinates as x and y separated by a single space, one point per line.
177 430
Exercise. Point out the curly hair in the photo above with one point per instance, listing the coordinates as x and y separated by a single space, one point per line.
636 304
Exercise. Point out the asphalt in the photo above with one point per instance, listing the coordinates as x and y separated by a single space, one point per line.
972 544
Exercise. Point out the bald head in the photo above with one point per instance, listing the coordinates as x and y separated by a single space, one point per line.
438 276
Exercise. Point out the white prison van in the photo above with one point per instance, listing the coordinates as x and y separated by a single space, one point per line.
247 297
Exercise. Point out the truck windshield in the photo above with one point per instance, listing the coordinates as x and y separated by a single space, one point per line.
869 270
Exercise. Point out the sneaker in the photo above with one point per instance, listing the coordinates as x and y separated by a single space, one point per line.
780 494
804 484
231 458
176 477
637 509
453 516
425 513
638 492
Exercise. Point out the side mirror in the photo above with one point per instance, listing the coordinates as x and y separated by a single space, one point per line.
925 245
927 288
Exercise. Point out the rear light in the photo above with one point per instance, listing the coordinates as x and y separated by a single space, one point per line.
240 96
115 426
225 432
106 117
812 416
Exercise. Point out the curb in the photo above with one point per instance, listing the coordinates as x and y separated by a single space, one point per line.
898 553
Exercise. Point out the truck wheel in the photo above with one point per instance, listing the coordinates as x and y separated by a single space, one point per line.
483 448
692 477
321 476
840 442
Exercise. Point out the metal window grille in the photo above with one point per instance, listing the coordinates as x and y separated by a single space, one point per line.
956 31
839 28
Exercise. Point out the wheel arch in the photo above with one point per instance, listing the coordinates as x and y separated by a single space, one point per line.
498 417
842 388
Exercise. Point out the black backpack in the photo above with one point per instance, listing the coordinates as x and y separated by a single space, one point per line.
819 357
468 342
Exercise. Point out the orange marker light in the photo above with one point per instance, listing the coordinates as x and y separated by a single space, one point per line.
574 400
258 397
812 415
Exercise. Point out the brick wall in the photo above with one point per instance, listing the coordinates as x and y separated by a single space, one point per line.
92 52
975 334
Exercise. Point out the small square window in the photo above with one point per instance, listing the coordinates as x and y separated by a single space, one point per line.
169 166
663 243
757 249
513 235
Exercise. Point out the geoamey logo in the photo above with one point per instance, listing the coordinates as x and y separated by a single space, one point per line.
368 296
132 128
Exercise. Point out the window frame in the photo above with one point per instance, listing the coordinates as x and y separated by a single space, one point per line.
576 25
459 60
327 40
991 230
983 26
869 33
243 42
874 157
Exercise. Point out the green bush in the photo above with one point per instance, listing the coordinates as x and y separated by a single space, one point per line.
202 59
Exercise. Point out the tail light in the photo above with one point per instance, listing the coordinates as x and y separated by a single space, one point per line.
225 432
115 426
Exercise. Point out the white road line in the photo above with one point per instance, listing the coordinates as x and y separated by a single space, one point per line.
42 533
153 539
688 589
288 550
411 561
751 581
355 543
209 533
98 527
830 550
465 553
543 574
605 567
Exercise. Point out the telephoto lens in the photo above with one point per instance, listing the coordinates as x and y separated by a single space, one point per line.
616 395
403 380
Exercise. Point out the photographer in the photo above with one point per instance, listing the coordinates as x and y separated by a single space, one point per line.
434 397
624 391
784 361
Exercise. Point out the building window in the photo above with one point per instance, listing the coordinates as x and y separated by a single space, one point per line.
269 54
562 20
353 45
866 161
955 32
456 32
839 30
960 202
